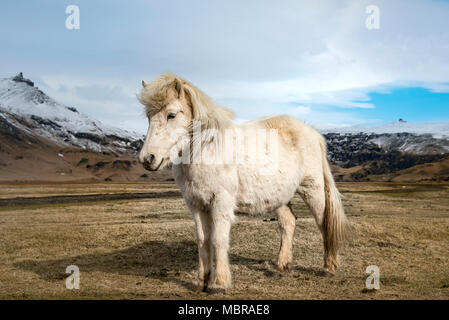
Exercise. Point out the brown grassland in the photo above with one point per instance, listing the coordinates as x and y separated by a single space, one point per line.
145 248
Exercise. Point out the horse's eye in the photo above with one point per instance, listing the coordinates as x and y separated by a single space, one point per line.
171 116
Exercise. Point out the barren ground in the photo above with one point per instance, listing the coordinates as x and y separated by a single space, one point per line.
145 248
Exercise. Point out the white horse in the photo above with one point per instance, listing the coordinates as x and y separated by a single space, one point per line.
214 191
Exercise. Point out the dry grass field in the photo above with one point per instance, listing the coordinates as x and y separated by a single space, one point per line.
145 248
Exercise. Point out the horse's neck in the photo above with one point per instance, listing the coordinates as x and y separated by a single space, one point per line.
206 136
206 143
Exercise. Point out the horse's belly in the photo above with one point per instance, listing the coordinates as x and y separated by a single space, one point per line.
259 194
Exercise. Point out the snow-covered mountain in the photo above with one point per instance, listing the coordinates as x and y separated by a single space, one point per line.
25 107
401 136
389 148
436 129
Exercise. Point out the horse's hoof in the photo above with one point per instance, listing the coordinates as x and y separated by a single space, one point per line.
284 267
328 274
201 288
219 291
216 290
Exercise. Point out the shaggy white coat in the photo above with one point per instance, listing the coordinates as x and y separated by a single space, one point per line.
213 192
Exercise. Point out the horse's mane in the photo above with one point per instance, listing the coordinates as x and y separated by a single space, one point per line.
158 93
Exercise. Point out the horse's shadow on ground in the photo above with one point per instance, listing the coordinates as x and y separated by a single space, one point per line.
151 259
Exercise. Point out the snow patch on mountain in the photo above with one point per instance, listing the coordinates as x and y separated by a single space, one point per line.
19 96
29 108
438 130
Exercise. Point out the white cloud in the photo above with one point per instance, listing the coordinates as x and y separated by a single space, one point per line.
300 111
105 99
265 57
333 60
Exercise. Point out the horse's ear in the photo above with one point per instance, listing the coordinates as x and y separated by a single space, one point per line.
179 87
144 83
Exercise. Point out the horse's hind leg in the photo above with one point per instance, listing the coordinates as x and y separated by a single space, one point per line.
287 222
313 194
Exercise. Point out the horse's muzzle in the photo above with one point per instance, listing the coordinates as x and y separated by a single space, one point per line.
150 163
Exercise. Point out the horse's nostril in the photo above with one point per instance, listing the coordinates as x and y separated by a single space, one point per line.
148 161
151 159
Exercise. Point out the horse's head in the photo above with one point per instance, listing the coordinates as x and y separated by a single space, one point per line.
169 115
174 106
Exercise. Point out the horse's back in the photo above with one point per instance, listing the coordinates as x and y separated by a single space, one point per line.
293 132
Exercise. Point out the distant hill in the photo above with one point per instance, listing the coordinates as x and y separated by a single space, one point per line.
435 129
41 139
384 152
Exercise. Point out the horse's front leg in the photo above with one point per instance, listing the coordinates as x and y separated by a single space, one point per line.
287 222
222 216
203 233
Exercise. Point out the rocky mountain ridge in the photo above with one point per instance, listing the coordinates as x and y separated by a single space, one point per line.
29 109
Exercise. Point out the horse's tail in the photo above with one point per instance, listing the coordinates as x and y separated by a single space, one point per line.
335 225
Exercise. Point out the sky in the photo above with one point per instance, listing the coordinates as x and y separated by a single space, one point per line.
315 60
